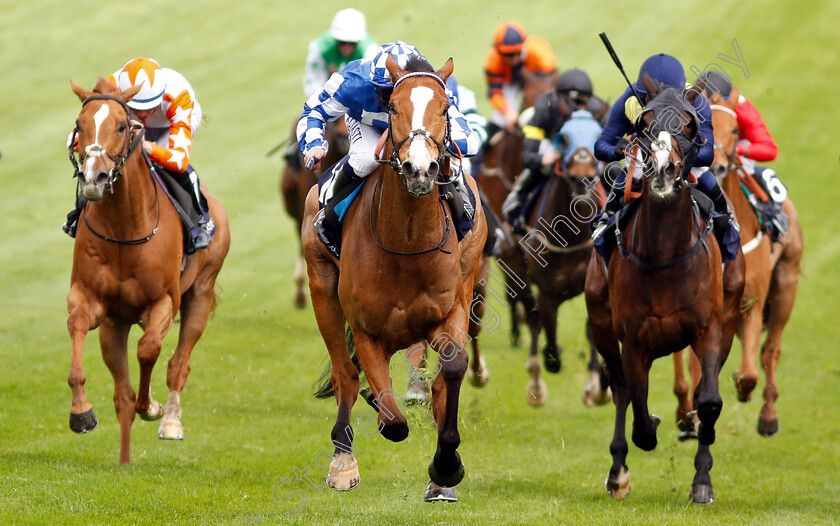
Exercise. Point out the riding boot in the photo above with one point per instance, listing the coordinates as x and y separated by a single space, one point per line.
512 208
327 222
614 183
202 234
727 230
72 222
775 217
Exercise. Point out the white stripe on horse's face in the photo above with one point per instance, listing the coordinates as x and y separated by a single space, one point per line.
98 118
418 152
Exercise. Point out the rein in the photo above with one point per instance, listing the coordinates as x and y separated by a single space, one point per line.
129 146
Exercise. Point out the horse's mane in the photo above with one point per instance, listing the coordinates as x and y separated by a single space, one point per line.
105 87
417 63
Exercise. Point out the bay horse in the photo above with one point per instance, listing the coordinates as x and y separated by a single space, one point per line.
501 166
402 278
663 290
295 182
559 251
127 268
772 277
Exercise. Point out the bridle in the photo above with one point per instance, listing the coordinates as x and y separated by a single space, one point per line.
132 140
730 156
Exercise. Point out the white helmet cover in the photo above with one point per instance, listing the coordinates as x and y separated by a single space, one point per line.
348 25
149 73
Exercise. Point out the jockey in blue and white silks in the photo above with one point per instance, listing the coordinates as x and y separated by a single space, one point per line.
360 93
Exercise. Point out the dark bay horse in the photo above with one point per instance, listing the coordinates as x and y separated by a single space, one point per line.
771 279
558 251
663 290
127 268
502 165
295 182
402 278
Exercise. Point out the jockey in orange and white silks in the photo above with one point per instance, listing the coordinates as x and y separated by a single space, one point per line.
513 51
167 108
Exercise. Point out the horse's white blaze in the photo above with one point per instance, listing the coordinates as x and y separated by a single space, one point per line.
98 118
94 150
661 149
418 151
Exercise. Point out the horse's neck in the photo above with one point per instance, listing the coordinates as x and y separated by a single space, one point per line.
128 212
403 221
664 230
554 207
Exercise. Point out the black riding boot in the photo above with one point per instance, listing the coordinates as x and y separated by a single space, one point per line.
72 222
327 223
203 233
512 207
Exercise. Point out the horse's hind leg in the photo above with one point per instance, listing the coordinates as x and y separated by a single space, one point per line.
478 374
156 323
196 305
783 285
113 339
81 320
686 418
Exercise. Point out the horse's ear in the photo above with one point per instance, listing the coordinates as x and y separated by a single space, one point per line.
80 92
650 85
734 95
446 70
128 94
394 69
701 85
691 92
716 99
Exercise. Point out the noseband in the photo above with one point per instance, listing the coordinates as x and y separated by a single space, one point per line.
394 160
132 140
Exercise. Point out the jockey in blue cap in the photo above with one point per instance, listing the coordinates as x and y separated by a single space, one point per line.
667 72
360 93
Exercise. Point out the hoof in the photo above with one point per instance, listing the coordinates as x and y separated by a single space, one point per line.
619 487
537 393
344 472
435 493
416 394
702 494
743 387
551 359
593 394
449 481
155 412
767 428
171 429
299 299
83 422
481 378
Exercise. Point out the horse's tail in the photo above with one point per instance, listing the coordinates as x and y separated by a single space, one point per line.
323 386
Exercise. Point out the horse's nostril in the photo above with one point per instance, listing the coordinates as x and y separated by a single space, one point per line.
434 167
101 177
408 169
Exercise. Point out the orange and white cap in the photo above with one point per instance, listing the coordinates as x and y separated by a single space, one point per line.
145 71
508 37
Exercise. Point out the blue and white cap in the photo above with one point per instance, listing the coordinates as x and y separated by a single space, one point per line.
400 51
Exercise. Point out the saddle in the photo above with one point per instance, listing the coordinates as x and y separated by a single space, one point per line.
766 203
183 203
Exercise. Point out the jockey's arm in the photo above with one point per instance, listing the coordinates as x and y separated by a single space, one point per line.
752 128
617 126
317 111
535 132
315 74
176 157
706 153
461 140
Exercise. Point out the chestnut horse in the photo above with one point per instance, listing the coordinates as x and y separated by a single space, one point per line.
502 165
664 289
558 251
295 182
771 280
127 268
403 277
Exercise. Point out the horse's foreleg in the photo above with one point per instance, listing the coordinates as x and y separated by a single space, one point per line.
372 356
113 339
597 389
536 390
637 370
548 316
708 402
83 317
446 469
477 374
686 419
746 377
156 323
299 296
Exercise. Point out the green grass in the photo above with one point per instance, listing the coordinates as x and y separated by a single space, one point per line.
249 418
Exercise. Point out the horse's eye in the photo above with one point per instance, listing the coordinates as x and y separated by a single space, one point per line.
446 109
392 109
122 127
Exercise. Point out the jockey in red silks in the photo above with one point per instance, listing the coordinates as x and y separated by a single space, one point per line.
755 144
